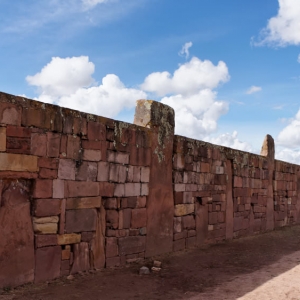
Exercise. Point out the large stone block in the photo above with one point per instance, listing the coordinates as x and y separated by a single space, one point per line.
42 188
87 171
46 225
2 138
79 203
81 258
81 220
10 114
47 207
18 162
38 144
17 239
132 244
81 189
47 263
66 169
138 218
67 239
184 209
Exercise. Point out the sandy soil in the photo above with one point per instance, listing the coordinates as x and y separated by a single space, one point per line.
260 267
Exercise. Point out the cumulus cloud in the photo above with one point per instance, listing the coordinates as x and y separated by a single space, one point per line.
68 82
253 89
230 140
284 28
185 50
190 92
188 79
290 135
289 155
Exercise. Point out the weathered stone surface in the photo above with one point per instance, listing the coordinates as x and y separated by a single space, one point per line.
138 218
268 147
45 228
91 155
144 271
2 138
81 258
80 203
67 239
81 220
47 263
43 240
47 207
81 189
184 209
87 171
66 169
17 239
42 188
132 244
18 162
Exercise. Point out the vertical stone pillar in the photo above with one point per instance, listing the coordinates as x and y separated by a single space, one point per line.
268 150
160 204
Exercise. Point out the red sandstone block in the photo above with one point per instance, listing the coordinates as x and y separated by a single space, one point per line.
44 240
62 219
87 171
179 245
132 189
65 267
117 157
140 156
42 188
63 145
81 258
112 262
212 218
145 174
180 235
18 145
178 198
179 187
58 188
92 145
138 218
79 220
205 167
81 189
111 203
66 169
132 244
96 131
144 189
126 218
53 144
111 247
190 242
112 219
192 233
188 222
117 173
49 163
73 147
87 236
47 263
18 131
177 224
136 174
91 155
47 173
38 144
141 202
103 171
47 207
119 190
106 189
221 217
10 114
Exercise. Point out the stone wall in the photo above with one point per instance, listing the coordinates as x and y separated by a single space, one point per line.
81 192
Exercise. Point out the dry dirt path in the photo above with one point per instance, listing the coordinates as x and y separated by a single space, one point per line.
260 267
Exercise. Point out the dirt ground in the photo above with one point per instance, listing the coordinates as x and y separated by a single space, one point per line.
259 267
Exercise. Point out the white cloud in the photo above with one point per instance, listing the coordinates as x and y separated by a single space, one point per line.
188 79
253 89
230 140
284 28
190 92
288 155
290 135
67 82
185 50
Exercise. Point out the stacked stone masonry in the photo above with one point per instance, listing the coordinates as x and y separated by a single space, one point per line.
81 192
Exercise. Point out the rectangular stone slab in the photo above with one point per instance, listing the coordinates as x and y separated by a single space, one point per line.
18 162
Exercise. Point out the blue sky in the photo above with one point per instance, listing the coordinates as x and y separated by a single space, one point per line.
229 68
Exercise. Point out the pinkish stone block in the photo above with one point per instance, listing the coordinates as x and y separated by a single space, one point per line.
132 189
81 189
73 147
119 190
112 218
47 263
66 169
53 144
81 258
145 174
111 248
103 171
144 189
91 155
44 240
118 157
58 188
87 171
138 218
38 144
